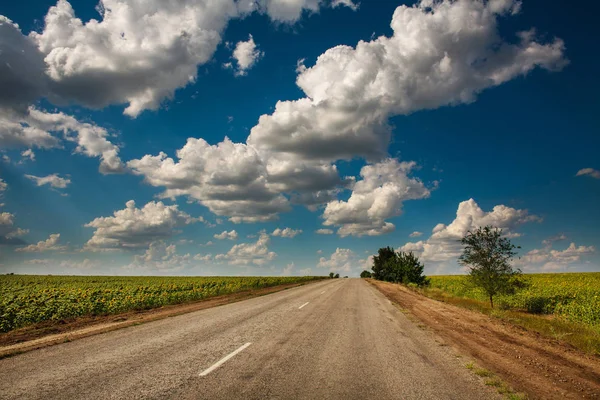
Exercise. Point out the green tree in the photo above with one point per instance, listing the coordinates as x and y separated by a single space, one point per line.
398 267
379 268
488 254
365 274
331 274
337 276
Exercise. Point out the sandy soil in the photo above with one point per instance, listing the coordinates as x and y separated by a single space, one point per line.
53 332
540 367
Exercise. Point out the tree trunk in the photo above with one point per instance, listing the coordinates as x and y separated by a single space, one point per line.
491 301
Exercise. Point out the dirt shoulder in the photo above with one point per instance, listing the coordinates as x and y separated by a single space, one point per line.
53 332
540 367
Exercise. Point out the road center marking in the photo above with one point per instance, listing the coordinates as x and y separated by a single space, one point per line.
299 308
322 292
223 360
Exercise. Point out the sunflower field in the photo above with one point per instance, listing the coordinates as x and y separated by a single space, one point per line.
29 299
572 296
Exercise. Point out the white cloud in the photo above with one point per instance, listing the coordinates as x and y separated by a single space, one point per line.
441 53
348 3
50 244
28 154
249 253
416 234
137 227
203 257
376 197
3 186
305 272
341 260
136 53
594 173
324 231
228 178
549 260
288 270
551 240
444 244
9 233
290 11
33 129
53 180
246 55
231 235
286 232
160 256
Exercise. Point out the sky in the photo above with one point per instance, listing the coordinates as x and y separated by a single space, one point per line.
294 137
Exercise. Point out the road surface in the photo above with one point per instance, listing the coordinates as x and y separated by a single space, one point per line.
334 339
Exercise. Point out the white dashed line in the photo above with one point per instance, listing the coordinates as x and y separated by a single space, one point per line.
299 308
223 360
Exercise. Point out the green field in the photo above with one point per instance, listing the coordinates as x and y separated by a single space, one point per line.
29 299
574 297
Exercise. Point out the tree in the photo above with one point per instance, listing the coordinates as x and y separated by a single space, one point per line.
398 267
384 254
487 254
365 274
337 276
331 274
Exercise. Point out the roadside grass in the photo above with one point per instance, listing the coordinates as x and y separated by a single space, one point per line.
490 379
578 335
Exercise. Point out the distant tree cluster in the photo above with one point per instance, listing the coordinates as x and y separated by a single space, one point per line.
332 275
487 253
400 267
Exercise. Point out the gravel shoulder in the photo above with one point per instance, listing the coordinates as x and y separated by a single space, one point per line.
540 367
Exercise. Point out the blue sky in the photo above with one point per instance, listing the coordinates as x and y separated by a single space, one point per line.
379 120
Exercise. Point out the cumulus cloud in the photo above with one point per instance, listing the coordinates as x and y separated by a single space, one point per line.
249 253
324 231
52 180
231 235
288 270
376 197
203 257
440 53
160 256
246 55
22 77
50 244
548 259
594 173
35 127
444 243
286 232
136 53
290 11
136 227
228 178
341 260
416 234
9 233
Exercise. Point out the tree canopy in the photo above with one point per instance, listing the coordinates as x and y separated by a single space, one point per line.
488 254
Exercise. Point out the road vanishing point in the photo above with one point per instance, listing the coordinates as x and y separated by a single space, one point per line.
332 339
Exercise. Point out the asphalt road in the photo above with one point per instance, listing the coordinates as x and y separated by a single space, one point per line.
334 339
